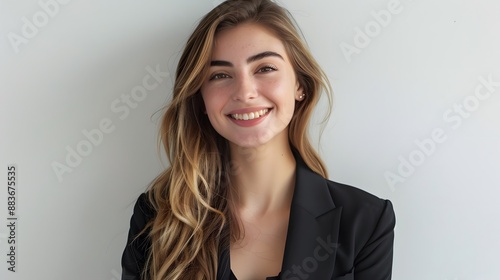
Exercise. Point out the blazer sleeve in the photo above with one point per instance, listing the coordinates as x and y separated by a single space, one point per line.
137 247
374 261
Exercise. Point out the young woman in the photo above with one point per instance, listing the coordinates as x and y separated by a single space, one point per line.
246 196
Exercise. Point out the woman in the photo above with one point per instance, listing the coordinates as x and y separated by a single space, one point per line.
246 196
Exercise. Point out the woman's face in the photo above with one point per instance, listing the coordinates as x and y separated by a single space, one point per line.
251 88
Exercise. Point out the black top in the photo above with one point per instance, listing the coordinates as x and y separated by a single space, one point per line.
335 232
268 278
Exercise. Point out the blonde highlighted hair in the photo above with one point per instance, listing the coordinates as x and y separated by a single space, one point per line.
193 217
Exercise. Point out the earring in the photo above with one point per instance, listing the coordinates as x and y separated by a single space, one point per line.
302 96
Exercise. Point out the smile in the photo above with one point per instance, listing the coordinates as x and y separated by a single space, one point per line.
250 116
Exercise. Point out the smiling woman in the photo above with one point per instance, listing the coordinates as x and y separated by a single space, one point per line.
246 195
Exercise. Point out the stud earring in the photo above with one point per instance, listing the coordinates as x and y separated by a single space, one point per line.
302 96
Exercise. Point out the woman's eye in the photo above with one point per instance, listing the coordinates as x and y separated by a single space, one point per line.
219 76
267 68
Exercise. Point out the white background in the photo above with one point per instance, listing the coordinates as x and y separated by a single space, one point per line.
404 81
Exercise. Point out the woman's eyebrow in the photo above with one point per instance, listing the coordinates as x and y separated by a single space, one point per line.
263 55
249 60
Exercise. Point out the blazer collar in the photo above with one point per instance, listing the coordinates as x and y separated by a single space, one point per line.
311 191
313 228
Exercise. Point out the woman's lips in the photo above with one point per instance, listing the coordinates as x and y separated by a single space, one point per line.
251 118
250 115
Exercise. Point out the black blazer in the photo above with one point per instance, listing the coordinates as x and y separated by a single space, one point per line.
335 232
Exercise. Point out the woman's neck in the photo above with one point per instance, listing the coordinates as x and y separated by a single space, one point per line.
263 178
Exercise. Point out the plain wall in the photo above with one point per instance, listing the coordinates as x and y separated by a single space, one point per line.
416 120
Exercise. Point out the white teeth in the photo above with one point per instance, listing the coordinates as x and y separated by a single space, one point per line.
250 116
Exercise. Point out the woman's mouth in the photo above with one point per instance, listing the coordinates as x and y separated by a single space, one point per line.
250 116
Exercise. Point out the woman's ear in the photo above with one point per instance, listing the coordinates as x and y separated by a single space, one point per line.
299 94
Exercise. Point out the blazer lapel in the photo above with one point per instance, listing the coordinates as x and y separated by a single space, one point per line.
313 228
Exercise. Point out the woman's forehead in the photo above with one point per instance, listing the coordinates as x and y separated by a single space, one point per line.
245 40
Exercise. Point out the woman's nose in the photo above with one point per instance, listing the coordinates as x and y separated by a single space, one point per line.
245 88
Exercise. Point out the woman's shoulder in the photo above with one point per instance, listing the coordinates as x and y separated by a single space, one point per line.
143 209
358 203
365 232
138 243
346 191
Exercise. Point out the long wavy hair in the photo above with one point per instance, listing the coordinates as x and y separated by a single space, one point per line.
193 221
